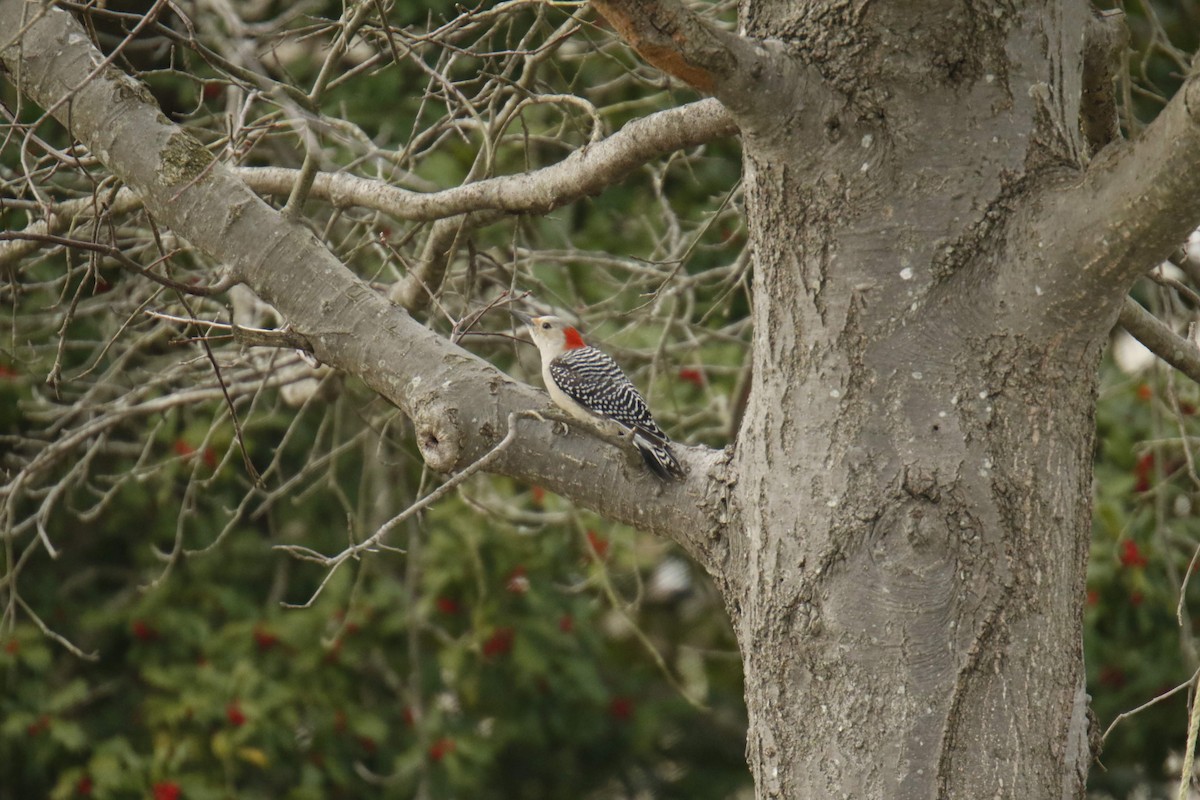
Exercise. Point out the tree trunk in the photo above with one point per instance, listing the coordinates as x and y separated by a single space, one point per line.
901 533
914 464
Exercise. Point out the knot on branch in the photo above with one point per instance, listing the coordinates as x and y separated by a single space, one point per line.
719 548
439 436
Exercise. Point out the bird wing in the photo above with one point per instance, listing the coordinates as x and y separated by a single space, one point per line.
594 380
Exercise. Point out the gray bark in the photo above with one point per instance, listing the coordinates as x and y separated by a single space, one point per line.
914 465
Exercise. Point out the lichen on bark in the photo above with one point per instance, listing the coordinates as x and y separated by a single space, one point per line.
182 160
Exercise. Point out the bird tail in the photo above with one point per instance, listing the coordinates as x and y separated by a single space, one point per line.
657 454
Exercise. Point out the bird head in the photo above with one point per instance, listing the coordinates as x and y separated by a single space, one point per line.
551 334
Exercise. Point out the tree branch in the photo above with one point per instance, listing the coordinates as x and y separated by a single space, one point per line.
739 72
672 37
1075 251
1159 339
586 171
1105 37
421 284
760 81
459 404
1135 205
220 287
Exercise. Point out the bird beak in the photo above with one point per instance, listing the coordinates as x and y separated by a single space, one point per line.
524 319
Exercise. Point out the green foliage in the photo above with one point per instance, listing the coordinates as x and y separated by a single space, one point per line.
488 661
1145 534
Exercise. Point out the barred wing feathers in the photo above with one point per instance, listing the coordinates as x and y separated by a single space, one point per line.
591 378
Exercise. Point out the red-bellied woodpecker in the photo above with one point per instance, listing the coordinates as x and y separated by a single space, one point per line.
588 385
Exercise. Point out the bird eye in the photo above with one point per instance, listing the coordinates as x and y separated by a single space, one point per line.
545 326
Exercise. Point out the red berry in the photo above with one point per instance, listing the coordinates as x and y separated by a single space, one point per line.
12 647
1144 392
264 639
692 376
446 605
166 790
1143 471
182 448
368 744
7 371
538 495
143 631
598 544
84 787
620 708
499 643
566 623
235 715
441 748
1131 556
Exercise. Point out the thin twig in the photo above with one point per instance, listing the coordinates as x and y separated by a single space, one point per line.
370 543
258 337
58 637
222 286
1165 695
1189 755
1183 588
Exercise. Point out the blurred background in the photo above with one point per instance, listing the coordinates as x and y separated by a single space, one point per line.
501 644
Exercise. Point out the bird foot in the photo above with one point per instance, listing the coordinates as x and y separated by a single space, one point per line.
560 424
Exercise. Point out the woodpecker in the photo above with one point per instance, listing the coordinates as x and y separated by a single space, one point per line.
587 384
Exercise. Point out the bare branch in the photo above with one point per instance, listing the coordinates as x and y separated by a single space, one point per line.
1136 204
1106 36
254 337
667 34
1075 254
220 287
303 183
50 633
586 171
374 541
755 79
422 282
458 402
1124 715
16 246
1160 339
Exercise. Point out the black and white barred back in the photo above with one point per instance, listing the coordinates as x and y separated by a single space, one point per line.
591 378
